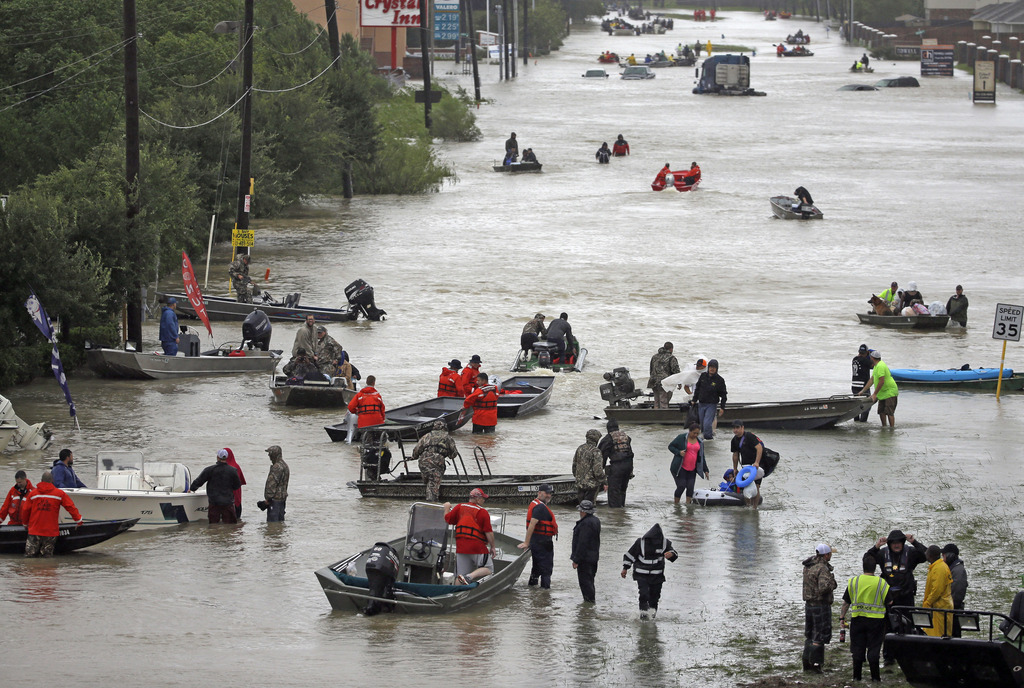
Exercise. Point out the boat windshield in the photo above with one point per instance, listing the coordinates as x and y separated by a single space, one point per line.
119 461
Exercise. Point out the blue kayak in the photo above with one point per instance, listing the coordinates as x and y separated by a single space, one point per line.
949 375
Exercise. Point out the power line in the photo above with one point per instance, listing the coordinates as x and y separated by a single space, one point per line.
192 126
116 46
299 52
293 88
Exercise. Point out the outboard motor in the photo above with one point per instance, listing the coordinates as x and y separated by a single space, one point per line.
188 341
360 296
620 387
256 330
382 567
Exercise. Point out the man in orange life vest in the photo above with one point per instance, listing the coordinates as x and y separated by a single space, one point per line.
474 539
469 374
540 527
450 382
484 401
367 404
40 511
12 505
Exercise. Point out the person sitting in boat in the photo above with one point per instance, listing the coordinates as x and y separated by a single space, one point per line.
241 283
528 155
648 59
328 354
693 175
302 368
803 197
621 147
604 153
799 34
856 66
662 175
631 59
911 296
728 483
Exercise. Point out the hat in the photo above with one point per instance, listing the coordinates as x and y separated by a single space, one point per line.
863 348
477 492
612 425
455 364
586 506
222 454
702 363
912 286
823 549
951 549
875 353
540 316
546 487
475 359
301 351
737 423
171 301
321 328
274 450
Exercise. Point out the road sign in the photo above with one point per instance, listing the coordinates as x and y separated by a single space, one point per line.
243 237
984 82
1009 320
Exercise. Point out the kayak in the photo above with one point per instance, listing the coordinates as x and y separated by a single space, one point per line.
949 375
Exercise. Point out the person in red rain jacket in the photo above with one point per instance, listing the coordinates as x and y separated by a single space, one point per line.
367 404
241 478
693 175
469 374
40 511
660 180
620 147
12 505
450 382
484 401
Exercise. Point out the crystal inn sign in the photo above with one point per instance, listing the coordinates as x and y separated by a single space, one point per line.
394 13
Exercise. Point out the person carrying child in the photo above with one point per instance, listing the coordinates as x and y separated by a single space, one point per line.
647 558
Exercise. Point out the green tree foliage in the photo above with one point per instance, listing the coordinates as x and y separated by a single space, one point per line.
548 22
452 118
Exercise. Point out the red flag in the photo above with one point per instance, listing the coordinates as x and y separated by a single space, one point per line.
195 297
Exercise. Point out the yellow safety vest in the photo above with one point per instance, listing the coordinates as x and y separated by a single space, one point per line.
888 296
867 596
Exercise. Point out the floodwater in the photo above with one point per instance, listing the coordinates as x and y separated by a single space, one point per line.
916 185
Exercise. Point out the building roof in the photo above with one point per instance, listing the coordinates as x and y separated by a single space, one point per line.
1001 13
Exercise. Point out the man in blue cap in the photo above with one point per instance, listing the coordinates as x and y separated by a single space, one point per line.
169 327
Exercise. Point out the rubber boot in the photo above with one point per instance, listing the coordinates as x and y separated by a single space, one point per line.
876 672
807 655
817 657
857 671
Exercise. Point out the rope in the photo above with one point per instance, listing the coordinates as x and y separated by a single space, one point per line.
192 126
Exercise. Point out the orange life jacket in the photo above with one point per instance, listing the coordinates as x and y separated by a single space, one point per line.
469 374
449 384
369 406
543 527
485 406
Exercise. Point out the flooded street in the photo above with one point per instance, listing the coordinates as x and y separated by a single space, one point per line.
915 184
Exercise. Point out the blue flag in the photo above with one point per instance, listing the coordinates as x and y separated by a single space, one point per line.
39 317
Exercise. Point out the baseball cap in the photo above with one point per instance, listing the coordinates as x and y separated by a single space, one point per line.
222 454
737 423
546 487
875 353
863 348
823 549
477 492
171 301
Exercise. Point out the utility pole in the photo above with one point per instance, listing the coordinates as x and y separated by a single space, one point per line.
131 167
472 50
244 182
514 43
426 64
332 36
526 23
501 46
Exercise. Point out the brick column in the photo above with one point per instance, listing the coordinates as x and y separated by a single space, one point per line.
1013 47
1002 69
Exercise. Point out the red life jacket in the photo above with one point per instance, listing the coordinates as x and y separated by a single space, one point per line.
485 406
469 538
12 505
369 405
449 384
40 510
543 527
469 374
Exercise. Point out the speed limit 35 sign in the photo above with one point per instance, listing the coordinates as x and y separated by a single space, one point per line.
1009 319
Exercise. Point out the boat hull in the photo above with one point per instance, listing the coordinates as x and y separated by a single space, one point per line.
519 167
805 414
310 395
223 308
507 489
905 322
412 421
115 363
1011 383
535 391
69 539
522 365
152 509
782 208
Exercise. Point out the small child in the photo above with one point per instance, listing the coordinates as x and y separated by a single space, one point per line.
728 483
647 557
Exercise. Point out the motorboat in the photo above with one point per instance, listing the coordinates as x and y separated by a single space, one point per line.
515 167
789 208
17 434
70 536
408 422
129 487
251 355
628 405
676 180
959 379
802 39
379 476
308 393
543 356
359 294
608 58
990 653
905 322
427 571
520 395
865 70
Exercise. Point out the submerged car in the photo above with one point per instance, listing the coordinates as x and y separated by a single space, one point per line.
638 72
897 82
856 87
596 74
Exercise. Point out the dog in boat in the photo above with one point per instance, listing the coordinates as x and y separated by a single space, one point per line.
880 306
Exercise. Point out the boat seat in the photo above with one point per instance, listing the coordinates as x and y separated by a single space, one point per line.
544 346
118 480
165 474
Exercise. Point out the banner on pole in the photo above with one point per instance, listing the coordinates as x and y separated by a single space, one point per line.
243 237
42 321
195 297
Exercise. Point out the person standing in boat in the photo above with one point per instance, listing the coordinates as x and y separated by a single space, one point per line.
819 585
469 374
449 384
865 60
616 448
12 504
956 306
275 492
532 332
40 512
368 404
238 271
305 338
869 598
709 395
484 402
620 148
603 154
897 562
803 197
862 365
432 452
541 526
64 475
663 364
560 334
647 557
588 468
951 555
221 481
586 549
169 327
511 149
886 392
474 538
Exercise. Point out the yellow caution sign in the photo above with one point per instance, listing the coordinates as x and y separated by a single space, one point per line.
243 237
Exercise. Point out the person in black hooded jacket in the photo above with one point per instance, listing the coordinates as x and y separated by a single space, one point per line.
897 562
647 557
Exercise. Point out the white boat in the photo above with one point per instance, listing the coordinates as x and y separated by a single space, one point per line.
17 433
128 486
